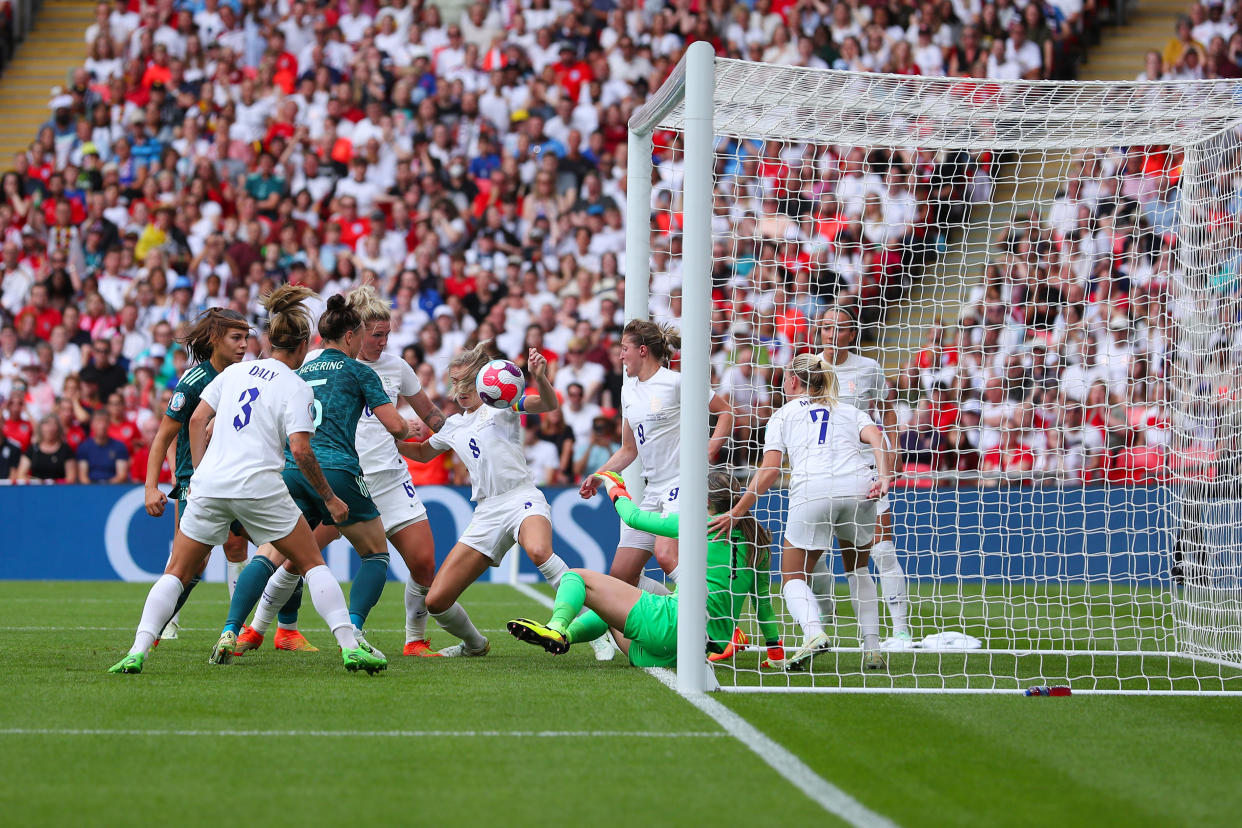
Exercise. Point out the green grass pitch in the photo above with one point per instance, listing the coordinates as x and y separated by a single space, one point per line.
521 738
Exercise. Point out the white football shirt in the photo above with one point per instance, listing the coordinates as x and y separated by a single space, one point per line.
489 441
826 455
377 451
652 409
862 384
258 405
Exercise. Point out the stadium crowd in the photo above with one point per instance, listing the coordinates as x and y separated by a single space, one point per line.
473 170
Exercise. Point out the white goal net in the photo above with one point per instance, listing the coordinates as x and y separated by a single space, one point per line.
1048 277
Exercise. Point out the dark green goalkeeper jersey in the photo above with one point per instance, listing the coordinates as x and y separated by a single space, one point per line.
181 408
342 388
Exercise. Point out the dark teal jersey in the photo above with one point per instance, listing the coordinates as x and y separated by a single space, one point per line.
181 408
342 388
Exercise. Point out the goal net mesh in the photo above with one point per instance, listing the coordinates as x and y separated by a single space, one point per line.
1048 276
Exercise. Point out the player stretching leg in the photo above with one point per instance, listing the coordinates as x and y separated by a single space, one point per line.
237 476
644 624
650 432
508 506
216 340
832 492
387 477
342 388
861 383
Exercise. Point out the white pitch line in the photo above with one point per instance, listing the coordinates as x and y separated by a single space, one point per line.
452 734
822 792
825 794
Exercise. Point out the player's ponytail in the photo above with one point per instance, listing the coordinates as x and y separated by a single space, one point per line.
660 340
201 337
289 323
338 319
817 377
723 493
369 304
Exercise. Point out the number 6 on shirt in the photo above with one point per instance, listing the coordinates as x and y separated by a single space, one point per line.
318 405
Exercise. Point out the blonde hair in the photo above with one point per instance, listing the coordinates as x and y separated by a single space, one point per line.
661 340
473 360
817 377
369 304
289 323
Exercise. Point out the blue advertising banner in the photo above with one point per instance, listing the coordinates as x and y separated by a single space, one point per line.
1018 533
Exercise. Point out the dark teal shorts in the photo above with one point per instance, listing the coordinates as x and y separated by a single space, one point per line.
351 489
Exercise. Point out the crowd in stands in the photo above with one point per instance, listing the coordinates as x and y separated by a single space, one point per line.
473 169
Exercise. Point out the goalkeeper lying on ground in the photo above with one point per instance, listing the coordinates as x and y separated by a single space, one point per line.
645 625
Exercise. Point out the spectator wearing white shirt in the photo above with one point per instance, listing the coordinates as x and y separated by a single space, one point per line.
577 370
1023 52
927 55
579 412
355 22
1000 65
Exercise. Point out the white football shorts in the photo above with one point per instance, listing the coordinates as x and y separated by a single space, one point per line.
497 520
266 519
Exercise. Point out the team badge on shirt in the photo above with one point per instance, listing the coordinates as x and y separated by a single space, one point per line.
177 401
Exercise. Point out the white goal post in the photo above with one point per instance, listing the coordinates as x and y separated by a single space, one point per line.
1078 570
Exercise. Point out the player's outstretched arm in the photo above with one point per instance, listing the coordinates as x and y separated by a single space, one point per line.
391 420
308 464
620 461
546 401
872 436
760 483
423 452
198 431
426 410
719 406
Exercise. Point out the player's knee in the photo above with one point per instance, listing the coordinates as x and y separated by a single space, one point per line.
666 558
235 549
439 600
539 552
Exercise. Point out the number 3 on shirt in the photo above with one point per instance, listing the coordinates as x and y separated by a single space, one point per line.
247 399
319 405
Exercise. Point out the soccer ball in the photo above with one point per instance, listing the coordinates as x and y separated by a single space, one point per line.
500 383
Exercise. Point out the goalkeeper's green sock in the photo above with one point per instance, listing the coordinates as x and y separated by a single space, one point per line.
586 627
249 589
570 596
368 585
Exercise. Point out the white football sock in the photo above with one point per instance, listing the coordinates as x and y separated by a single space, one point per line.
329 602
892 583
800 602
653 586
161 601
278 590
675 574
415 611
866 606
456 622
552 569
824 587
233 570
